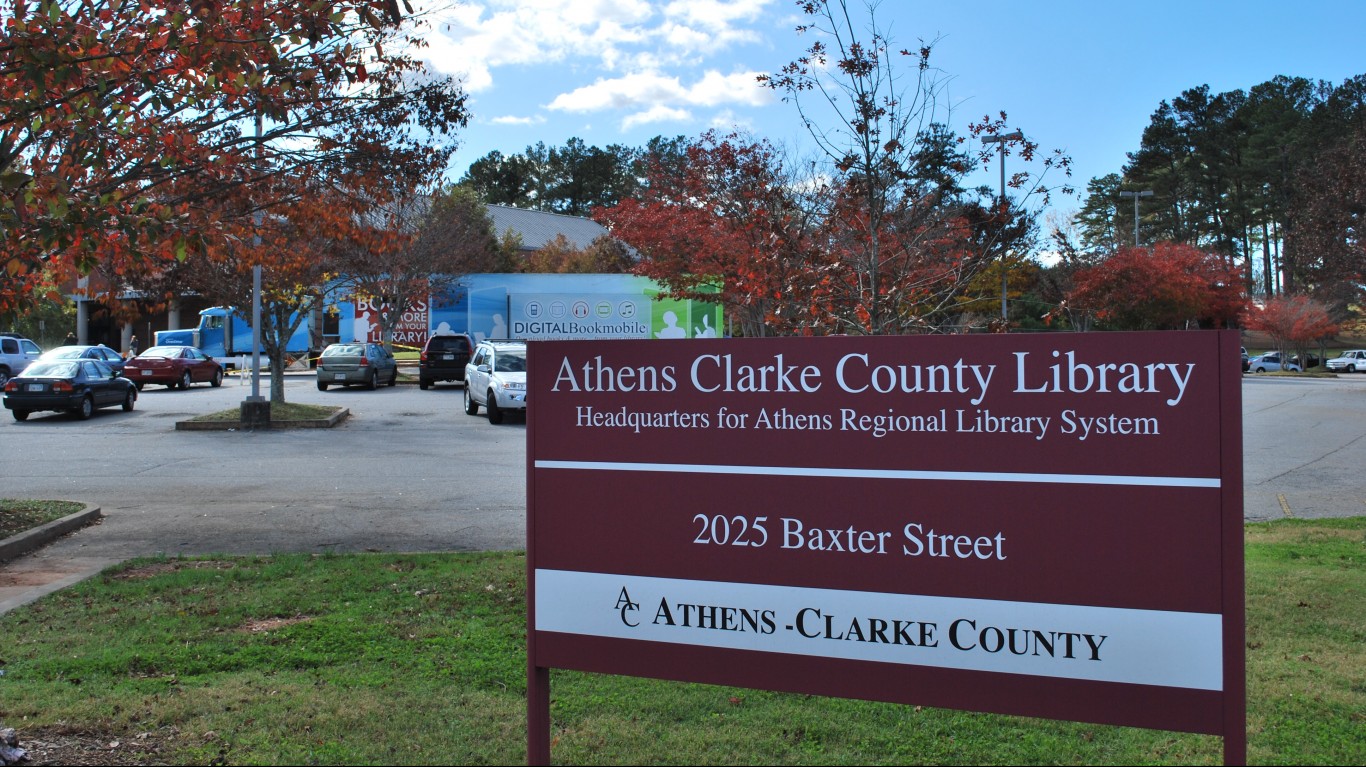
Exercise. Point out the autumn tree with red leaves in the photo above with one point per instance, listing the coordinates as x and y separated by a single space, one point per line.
729 216
1168 286
1294 323
123 125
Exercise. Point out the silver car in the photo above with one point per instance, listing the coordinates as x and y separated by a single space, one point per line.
356 363
16 353
495 377
1349 361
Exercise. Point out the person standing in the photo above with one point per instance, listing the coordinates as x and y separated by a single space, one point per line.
70 339
133 346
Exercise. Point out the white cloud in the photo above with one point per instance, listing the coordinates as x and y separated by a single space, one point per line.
515 120
473 39
656 114
651 89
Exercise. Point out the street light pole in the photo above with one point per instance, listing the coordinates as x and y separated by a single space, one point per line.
1136 196
1001 139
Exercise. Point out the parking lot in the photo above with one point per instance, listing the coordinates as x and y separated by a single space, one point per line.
409 471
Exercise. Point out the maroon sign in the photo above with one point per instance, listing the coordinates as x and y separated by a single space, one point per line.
1042 525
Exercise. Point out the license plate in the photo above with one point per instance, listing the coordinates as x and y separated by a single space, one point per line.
339 376
34 387
146 372
448 356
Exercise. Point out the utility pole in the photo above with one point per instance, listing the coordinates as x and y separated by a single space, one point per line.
1136 196
1001 139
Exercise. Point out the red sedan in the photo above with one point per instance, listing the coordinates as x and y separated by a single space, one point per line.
173 366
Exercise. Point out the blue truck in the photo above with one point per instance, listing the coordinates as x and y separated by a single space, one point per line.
224 335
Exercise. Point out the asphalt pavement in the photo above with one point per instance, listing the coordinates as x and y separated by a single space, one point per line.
409 471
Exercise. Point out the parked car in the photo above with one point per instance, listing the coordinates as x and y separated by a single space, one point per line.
100 352
1270 363
1349 361
443 359
355 363
173 366
76 386
1311 360
1246 363
16 353
496 378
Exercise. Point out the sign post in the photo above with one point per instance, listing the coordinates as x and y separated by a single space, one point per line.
1038 525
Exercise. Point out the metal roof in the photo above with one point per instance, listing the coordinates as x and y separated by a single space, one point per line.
538 228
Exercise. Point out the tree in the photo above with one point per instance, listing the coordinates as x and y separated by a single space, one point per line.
573 179
414 246
1167 286
499 180
604 255
729 215
121 123
1327 226
883 143
1293 322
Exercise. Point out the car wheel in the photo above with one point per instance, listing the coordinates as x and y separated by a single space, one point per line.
424 384
86 409
217 378
495 415
471 407
322 386
185 380
129 399
20 415
138 385
373 383
394 379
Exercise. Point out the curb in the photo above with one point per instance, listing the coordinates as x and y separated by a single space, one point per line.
325 423
26 542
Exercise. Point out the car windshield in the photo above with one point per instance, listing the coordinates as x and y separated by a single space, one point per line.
509 361
51 370
162 351
341 350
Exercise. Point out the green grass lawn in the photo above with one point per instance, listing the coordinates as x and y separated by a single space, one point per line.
420 659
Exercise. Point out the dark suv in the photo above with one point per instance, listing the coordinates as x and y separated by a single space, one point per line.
443 359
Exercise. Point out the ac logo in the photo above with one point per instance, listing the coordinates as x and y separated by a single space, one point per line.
625 605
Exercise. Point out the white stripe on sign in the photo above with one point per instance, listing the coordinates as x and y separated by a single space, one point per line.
952 476
1105 644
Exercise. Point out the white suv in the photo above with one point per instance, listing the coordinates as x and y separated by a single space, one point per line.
495 377
16 353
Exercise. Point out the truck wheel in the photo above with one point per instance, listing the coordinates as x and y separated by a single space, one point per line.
185 380
4 377
322 386
217 378
471 407
495 415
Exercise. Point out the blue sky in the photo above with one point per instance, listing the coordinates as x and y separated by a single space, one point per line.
1083 77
